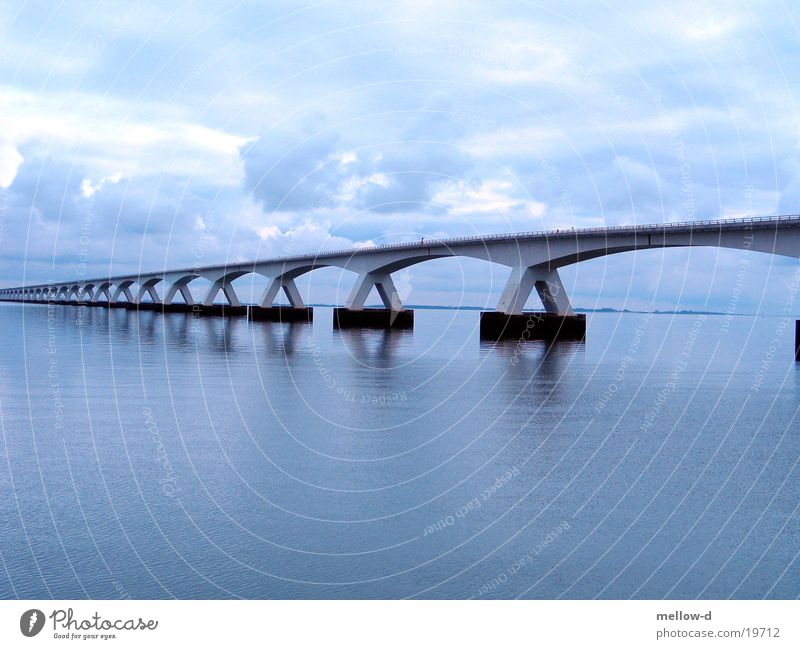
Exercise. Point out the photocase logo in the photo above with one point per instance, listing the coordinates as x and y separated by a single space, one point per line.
31 622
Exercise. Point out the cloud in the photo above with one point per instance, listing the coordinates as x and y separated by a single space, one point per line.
312 168
54 223
10 160
102 133
294 169
88 189
404 174
492 199
439 119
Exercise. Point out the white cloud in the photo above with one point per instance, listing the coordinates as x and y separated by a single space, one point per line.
10 160
492 198
88 189
98 131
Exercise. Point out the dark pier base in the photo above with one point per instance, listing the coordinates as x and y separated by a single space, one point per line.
532 326
216 309
373 318
199 309
144 306
797 340
281 313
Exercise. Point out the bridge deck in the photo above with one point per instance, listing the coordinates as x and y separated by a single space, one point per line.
712 225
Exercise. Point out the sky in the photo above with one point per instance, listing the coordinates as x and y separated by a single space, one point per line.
144 135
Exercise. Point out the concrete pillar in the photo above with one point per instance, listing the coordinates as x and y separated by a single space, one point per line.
124 288
553 294
289 288
557 322
548 285
183 289
227 289
148 288
86 291
386 290
517 290
103 289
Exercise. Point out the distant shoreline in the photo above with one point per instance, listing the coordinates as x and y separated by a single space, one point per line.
577 310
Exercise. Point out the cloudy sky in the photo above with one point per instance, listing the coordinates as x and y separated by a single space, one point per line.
142 135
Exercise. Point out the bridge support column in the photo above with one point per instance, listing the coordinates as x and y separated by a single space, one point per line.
86 292
386 290
548 285
122 289
147 289
183 289
557 322
102 290
393 316
227 291
289 288
297 312
234 307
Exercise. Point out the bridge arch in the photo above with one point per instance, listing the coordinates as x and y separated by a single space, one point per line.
103 288
148 287
180 285
284 281
123 288
86 290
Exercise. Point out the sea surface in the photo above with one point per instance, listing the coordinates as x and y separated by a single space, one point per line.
159 456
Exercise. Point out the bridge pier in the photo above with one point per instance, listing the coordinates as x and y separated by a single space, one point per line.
344 318
124 288
532 325
280 313
179 307
797 340
141 306
224 285
288 286
218 309
393 316
547 283
296 312
557 322
148 288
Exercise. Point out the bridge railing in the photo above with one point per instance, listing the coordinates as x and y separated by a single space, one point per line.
537 234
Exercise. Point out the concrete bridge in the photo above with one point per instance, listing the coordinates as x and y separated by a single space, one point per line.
533 258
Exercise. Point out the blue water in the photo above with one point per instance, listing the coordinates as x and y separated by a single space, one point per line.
156 456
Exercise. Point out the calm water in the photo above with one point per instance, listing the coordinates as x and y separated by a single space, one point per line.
155 456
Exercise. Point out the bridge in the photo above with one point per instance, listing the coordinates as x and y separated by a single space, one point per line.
534 259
